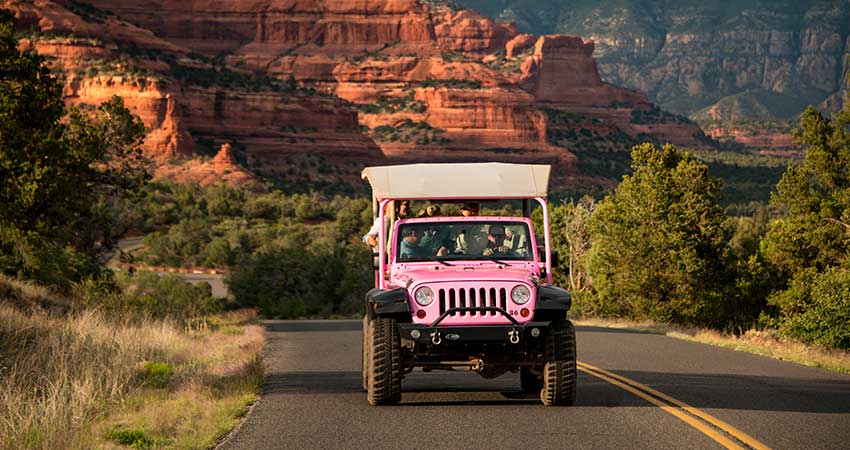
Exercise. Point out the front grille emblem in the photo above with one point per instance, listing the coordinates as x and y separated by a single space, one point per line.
452 336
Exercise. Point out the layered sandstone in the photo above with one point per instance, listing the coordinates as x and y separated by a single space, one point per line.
350 83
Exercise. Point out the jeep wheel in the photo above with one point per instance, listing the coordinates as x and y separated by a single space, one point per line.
559 370
384 357
364 359
531 383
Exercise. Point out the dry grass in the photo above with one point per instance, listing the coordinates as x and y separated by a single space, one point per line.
80 380
216 376
759 342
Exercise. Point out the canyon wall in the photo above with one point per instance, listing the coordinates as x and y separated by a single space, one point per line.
314 90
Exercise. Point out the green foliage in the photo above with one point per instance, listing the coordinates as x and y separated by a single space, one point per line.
148 295
133 438
156 374
293 282
451 83
87 12
59 170
746 177
409 131
586 136
290 255
816 307
816 197
658 243
408 103
657 115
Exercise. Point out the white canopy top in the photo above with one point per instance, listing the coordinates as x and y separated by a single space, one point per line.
458 181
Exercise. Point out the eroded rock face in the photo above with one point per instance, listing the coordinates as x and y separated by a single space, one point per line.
707 50
518 44
467 32
338 85
213 27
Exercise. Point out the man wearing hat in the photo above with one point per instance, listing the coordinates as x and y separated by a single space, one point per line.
470 241
436 238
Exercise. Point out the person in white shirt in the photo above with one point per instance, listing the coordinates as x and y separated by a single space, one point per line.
402 211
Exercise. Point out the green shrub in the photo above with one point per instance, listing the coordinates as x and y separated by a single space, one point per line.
156 374
148 295
137 439
816 307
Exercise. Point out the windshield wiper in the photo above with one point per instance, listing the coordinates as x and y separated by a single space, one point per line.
495 260
432 258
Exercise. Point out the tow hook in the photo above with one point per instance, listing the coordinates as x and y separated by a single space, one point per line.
513 335
435 338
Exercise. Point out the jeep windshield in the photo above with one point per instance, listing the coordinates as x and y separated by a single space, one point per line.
468 240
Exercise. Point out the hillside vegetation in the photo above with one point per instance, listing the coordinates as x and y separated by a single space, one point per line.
89 359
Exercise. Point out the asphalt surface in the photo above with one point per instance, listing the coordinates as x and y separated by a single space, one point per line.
216 281
312 399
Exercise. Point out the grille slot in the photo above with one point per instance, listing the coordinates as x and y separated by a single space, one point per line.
503 298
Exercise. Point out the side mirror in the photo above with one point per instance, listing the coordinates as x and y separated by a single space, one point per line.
555 258
376 263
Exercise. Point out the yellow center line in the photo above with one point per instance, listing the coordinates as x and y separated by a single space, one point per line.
731 430
706 430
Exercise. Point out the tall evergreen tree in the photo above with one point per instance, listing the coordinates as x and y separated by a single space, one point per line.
57 168
658 243
815 230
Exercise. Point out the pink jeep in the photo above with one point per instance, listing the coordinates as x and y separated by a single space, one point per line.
472 293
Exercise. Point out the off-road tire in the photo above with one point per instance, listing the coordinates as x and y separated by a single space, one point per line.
364 359
384 380
559 370
531 383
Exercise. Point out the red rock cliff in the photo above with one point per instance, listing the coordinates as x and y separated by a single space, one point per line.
358 81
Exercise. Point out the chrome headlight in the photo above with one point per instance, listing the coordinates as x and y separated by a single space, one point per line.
520 294
424 296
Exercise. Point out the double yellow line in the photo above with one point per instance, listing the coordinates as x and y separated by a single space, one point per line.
718 430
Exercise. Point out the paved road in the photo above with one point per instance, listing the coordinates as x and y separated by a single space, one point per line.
216 281
312 399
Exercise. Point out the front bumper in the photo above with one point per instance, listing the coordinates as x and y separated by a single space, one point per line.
435 334
447 335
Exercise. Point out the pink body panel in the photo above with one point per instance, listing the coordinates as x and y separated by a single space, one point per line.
468 283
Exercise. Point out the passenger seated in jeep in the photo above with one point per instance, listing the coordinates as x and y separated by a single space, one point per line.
496 242
402 210
409 243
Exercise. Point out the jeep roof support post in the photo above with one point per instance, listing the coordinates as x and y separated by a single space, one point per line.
546 237
382 246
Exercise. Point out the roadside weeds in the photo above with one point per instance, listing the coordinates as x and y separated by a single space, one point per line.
759 342
214 377
86 380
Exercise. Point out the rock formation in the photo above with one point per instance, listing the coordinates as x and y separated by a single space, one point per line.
335 85
768 59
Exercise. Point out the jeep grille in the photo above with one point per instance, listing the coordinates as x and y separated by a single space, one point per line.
470 298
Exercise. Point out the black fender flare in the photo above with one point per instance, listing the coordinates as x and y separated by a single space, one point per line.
389 303
552 301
